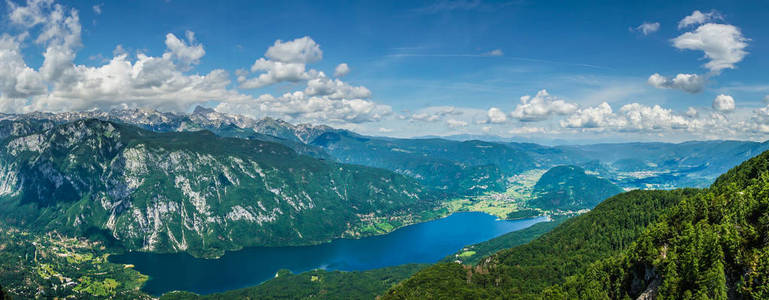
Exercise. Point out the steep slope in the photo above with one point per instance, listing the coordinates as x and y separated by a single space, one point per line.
711 246
471 167
188 191
523 271
570 188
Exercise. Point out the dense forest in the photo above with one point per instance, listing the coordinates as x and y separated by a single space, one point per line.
570 188
713 246
524 271
682 244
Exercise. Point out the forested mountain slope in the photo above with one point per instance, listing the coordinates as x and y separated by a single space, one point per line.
188 191
523 271
570 188
714 245
699 244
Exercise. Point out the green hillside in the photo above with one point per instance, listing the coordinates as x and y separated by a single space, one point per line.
713 246
523 271
570 188
683 244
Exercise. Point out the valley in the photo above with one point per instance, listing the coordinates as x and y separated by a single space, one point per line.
145 187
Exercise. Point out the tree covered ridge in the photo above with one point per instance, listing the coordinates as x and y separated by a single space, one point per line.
524 271
714 246
570 188
684 244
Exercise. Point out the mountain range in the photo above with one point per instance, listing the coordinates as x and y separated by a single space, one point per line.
681 244
207 182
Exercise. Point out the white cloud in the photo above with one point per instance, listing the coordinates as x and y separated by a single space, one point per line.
647 28
723 103
691 112
496 115
590 117
335 88
274 72
17 80
635 116
697 17
495 52
164 82
691 83
425 117
186 53
435 113
453 123
97 8
541 106
341 70
300 107
724 45
302 50
655 120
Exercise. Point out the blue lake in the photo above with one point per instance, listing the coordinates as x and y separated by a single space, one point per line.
420 243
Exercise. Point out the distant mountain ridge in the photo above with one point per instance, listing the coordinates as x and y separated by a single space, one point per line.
454 167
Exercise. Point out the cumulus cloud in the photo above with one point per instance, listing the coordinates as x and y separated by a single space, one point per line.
590 117
284 62
630 117
60 84
186 53
17 80
691 83
644 119
541 106
302 50
97 8
298 106
641 117
723 103
335 88
274 72
724 45
648 28
341 70
697 17
164 82
496 115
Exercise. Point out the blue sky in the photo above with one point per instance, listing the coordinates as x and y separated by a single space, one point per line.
416 68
